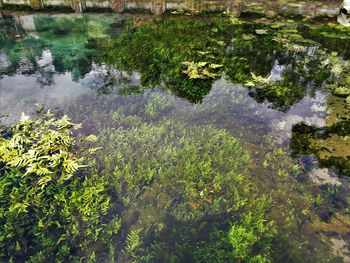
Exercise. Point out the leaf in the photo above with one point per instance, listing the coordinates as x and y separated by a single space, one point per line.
24 118
39 107
133 241
203 52
248 37
249 84
91 138
201 64
214 66
261 31
44 181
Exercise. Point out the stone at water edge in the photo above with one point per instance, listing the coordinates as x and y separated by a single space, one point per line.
344 13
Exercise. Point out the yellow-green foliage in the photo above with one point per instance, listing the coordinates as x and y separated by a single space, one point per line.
188 174
200 70
48 208
202 168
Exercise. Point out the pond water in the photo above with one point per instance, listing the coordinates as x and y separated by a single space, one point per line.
281 87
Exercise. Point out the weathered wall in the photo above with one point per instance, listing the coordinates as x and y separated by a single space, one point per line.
58 3
99 3
130 5
268 7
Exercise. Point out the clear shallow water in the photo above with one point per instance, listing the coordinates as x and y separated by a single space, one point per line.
55 61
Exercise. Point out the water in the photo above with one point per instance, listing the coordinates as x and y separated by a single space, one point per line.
66 63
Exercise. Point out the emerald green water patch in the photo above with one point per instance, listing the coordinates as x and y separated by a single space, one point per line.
70 39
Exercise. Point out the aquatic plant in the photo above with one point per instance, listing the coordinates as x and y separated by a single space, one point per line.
330 144
258 81
50 206
332 36
241 240
173 55
155 103
185 57
200 70
187 175
133 242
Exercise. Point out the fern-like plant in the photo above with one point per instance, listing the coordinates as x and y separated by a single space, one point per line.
49 207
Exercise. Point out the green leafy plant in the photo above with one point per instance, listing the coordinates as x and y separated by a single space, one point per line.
200 70
49 205
133 243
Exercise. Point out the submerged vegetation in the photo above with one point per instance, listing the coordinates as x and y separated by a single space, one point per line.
156 192
58 195
185 56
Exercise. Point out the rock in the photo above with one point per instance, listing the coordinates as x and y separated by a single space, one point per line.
323 176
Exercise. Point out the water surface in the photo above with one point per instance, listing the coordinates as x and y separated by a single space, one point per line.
70 64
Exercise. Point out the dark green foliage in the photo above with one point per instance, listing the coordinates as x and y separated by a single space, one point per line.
332 36
280 97
14 7
330 144
158 51
177 55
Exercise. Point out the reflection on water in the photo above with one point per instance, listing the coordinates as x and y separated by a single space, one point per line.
47 59
71 64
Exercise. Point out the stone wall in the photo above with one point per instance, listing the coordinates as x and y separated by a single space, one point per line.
267 7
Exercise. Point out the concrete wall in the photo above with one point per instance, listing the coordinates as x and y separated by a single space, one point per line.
268 7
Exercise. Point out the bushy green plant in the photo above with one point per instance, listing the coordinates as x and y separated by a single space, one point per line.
49 206
246 240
